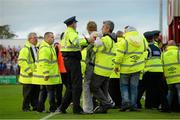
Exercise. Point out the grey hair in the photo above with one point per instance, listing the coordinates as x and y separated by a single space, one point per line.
31 33
110 24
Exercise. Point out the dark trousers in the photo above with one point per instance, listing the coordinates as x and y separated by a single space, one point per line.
141 91
156 90
73 85
42 98
97 83
30 96
173 97
114 91
55 97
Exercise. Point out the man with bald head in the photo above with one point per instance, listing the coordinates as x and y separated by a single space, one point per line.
171 66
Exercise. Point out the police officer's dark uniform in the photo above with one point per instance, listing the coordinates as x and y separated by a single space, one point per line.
70 48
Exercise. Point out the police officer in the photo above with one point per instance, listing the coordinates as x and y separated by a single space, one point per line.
171 65
130 57
142 82
47 72
26 61
70 46
157 38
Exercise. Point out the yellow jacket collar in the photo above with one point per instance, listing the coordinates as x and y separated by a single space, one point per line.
172 48
27 44
70 29
45 43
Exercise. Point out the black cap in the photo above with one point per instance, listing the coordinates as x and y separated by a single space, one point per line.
148 35
70 20
156 32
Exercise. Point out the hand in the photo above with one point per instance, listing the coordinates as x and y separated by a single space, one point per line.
30 74
90 40
116 70
46 78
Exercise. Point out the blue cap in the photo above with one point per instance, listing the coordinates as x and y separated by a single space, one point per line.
156 32
148 35
70 20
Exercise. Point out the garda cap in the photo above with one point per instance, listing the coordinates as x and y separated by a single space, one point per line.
156 32
148 35
70 20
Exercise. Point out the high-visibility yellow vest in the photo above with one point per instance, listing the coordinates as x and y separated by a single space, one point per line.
71 42
153 63
171 64
131 53
103 57
113 74
119 39
46 65
26 63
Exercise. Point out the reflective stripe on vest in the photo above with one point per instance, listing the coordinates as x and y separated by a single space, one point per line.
46 60
109 53
170 64
72 46
26 76
103 67
41 76
27 69
138 63
126 51
178 59
155 65
110 50
172 76
28 59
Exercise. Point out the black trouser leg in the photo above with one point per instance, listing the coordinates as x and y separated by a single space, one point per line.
26 96
141 90
163 91
148 79
58 92
74 85
67 99
114 91
42 98
76 80
51 97
96 89
35 96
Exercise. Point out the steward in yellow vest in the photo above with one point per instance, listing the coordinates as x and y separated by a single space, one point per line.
171 66
47 72
103 48
130 57
26 61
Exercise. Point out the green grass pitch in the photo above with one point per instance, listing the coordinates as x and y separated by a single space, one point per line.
11 99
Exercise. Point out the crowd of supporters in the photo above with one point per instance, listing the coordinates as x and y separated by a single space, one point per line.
8 60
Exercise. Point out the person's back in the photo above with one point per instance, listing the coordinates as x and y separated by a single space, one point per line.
131 52
171 64
130 57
